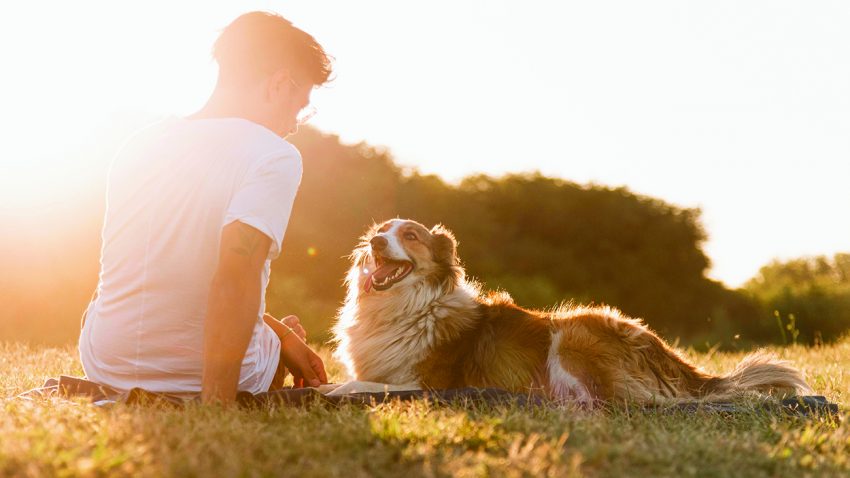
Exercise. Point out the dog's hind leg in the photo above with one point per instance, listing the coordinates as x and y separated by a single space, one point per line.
563 383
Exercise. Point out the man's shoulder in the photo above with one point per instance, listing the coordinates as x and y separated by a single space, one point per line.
260 143
230 136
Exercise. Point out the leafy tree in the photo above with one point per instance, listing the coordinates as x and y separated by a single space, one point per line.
544 240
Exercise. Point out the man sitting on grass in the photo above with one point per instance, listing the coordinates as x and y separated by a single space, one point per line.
197 208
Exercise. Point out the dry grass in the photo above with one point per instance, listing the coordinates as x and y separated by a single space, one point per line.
58 438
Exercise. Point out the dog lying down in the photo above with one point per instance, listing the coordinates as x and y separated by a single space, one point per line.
412 320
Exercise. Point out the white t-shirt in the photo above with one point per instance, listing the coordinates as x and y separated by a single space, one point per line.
171 189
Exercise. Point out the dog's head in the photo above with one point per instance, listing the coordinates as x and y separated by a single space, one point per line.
398 253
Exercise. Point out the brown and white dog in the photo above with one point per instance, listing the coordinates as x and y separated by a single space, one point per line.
411 319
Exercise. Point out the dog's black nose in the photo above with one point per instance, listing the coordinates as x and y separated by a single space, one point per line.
379 243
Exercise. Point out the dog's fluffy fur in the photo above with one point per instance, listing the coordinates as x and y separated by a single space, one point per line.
412 317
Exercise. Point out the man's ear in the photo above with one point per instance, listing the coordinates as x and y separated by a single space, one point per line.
444 245
279 83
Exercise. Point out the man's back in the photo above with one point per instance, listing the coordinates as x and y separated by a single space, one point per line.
171 190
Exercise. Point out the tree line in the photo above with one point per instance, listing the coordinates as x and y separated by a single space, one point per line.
544 240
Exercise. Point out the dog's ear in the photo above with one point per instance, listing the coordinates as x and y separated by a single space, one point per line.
445 245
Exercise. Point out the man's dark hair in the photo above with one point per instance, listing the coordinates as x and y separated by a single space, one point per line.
258 43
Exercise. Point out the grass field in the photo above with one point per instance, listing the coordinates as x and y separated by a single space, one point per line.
58 438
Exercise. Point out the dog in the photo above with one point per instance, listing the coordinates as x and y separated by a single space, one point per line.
412 320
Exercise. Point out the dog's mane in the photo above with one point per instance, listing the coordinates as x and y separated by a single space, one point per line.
396 329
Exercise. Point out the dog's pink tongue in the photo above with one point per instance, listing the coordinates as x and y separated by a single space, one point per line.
384 271
366 285
379 274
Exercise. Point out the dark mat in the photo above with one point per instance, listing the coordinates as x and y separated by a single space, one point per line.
447 396
799 405
70 387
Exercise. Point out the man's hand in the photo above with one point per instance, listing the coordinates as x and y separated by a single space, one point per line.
293 323
305 365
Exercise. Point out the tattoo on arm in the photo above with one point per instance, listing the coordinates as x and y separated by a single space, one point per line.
249 239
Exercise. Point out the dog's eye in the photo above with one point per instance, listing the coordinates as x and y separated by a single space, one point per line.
410 236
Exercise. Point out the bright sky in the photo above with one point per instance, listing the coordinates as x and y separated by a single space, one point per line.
740 108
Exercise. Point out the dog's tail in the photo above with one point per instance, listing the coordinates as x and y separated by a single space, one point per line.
668 374
758 372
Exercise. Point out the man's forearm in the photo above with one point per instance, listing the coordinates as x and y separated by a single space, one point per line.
231 314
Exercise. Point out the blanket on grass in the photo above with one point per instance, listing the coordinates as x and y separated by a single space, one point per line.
101 395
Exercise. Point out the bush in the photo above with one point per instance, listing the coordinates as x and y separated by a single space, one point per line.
814 290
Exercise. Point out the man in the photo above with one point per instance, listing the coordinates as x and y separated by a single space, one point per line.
197 208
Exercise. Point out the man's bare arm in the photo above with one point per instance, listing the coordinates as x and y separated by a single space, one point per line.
232 309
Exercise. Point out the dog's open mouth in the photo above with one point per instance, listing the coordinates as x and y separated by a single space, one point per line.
387 272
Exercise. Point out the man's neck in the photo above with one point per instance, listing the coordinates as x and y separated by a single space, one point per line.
227 103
